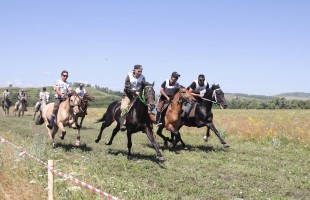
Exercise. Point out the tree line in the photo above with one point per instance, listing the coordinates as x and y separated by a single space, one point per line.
273 103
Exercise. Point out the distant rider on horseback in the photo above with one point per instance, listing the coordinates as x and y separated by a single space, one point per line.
5 95
20 97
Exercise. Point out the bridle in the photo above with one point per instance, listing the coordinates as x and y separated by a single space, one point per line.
215 97
142 98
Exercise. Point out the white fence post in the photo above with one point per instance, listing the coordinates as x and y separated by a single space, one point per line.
50 180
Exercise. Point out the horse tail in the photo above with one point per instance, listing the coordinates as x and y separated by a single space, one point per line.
39 120
102 119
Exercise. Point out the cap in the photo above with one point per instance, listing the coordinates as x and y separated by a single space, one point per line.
175 75
138 67
44 88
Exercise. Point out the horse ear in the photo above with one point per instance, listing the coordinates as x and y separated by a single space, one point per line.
153 83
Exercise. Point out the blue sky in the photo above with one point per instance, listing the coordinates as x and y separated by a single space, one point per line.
255 47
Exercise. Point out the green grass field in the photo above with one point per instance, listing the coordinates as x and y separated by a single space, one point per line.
268 159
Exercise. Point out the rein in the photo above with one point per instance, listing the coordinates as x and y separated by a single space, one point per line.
213 95
142 97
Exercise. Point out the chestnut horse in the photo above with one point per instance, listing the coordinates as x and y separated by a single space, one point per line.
137 118
202 114
171 115
67 109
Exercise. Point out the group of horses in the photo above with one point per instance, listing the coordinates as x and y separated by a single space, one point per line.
19 109
140 116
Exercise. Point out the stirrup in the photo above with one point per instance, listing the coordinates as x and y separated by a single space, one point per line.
159 124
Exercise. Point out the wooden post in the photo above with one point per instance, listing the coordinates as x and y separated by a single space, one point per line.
50 180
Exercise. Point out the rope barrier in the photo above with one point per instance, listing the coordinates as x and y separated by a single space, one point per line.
65 176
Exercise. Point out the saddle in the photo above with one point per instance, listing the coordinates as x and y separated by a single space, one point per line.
192 111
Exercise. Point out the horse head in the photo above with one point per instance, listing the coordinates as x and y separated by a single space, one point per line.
218 96
147 95
75 102
184 95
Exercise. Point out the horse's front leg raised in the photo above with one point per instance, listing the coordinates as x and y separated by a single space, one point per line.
206 137
212 127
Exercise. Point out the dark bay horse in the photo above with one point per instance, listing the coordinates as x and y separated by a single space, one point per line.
84 103
203 115
6 106
171 116
137 118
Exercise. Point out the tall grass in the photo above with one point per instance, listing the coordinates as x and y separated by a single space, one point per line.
265 161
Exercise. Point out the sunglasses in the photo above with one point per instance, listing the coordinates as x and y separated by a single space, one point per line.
201 79
65 75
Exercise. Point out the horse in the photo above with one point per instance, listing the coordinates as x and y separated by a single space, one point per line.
40 104
201 114
20 107
137 118
67 111
87 97
6 106
171 115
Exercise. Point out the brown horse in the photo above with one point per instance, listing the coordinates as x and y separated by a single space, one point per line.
21 108
68 109
87 97
171 116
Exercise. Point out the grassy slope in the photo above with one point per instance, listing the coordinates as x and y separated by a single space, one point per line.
265 160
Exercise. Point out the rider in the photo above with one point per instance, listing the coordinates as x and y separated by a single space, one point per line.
62 88
44 97
131 91
5 95
166 92
80 90
197 89
21 95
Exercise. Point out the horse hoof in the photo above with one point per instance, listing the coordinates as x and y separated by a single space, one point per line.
108 143
166 144
205 138
226 145
97 140
78 143
161 158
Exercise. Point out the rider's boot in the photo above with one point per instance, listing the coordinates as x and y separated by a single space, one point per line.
51 124
157 122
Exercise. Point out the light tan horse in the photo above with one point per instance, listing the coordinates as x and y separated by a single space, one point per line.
67 109
21 107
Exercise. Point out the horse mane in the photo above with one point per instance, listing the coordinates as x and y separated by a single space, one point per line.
215 86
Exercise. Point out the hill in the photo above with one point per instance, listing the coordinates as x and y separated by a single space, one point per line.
288 96
102 99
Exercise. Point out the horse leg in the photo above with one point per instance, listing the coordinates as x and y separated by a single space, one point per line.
63 131
160 134
129 144
177 138
211 125
78 138
53 135
150 135
207 134
104 125
81 121
34 115
115 131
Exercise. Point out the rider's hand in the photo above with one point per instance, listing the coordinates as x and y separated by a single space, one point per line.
137 93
